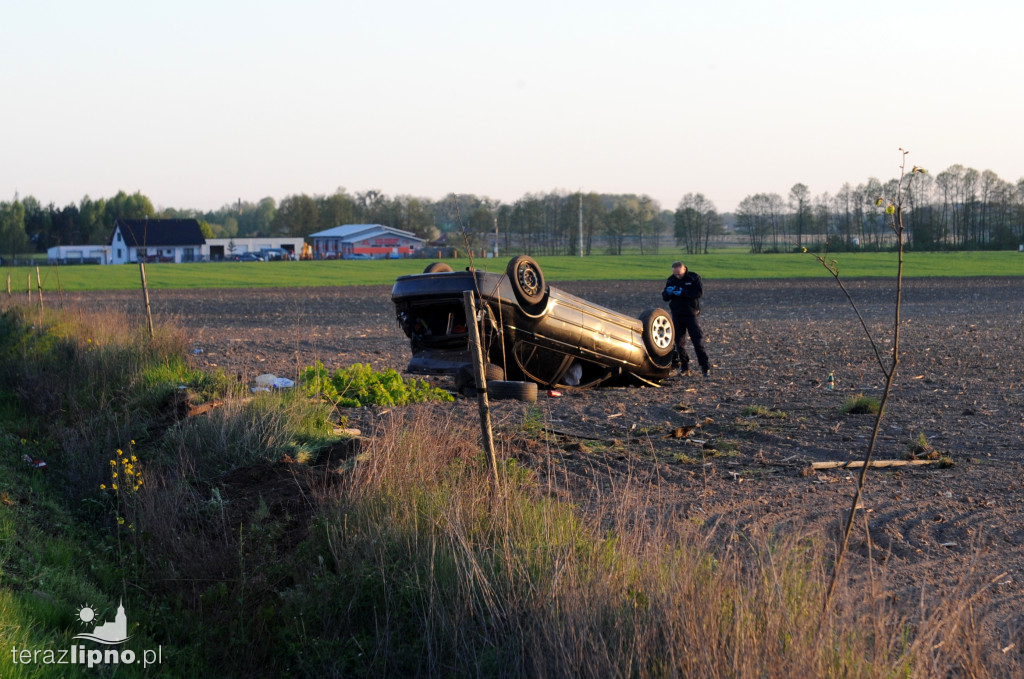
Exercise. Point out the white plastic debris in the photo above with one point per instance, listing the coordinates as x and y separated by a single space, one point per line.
268 381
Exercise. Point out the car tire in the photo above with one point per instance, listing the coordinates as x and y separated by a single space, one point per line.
519 391
527 282
492 371
659 333
437 267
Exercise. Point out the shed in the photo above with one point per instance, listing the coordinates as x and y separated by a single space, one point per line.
364 240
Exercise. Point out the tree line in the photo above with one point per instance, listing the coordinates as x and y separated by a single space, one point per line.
959 208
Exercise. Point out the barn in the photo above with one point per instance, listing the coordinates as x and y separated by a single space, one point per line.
360 241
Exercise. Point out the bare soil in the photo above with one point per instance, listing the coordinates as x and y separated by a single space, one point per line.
772 344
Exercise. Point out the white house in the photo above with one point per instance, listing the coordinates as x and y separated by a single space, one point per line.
373 240
156 240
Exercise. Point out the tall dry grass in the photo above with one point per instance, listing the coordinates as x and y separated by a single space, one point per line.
435 576
416 567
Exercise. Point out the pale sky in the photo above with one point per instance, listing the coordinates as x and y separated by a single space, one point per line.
198 104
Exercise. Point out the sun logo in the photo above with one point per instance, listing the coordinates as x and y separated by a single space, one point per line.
86 614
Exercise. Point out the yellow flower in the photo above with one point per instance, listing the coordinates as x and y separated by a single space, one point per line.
133 442
120 521
103 486
113 463
120 452
114 486
114 475
134 459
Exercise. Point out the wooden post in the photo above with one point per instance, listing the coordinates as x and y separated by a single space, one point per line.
39 288
8 283
477 356
60 290
145 297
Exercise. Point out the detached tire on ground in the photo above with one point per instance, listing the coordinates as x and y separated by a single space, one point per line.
509 390
437 267
659 333
493 372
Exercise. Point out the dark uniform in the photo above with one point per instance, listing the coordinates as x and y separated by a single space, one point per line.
683 297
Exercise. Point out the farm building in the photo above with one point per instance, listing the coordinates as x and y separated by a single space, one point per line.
364 240
226 248
156 240
78 254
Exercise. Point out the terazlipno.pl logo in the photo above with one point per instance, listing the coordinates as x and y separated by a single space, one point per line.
108 633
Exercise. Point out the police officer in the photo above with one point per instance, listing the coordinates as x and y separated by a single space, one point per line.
683 291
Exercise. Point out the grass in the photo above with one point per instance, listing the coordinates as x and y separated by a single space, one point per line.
763 412
407 563
860 405
717 265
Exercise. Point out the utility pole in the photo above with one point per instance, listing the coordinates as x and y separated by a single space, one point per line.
581 222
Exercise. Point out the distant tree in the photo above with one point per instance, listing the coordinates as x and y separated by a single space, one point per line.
296 216
91 215
695 221
594 216
38 223
13 239
800 207
66 227
618 225
754 217
646 210
337 209
125 206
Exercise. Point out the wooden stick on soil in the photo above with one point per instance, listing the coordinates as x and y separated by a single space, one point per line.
857 464
477 356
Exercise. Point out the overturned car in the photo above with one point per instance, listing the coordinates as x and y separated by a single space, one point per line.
532 331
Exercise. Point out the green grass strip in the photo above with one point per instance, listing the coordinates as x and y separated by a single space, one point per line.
717 265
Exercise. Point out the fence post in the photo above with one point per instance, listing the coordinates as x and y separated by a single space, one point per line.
145 297
39 288
477 356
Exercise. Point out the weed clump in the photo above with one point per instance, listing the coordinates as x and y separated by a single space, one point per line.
360 385
860 405
762 412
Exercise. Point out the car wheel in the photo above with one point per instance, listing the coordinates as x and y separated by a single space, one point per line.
492 371
527 281
437 267
520 391
659 333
